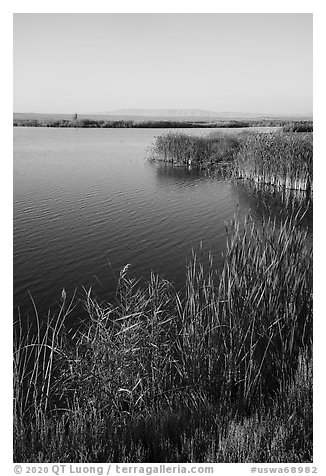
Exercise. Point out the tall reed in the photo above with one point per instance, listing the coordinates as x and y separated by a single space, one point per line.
282 160
204 152
38 351
154 370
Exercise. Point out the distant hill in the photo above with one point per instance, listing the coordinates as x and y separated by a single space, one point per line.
163 113
198 114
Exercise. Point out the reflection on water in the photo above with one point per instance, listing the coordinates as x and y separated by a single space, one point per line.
178 173
262 200
268 201
170 176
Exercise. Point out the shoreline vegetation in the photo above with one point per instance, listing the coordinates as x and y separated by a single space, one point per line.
282 159
218 372
296 126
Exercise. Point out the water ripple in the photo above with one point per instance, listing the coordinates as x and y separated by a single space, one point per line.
85 198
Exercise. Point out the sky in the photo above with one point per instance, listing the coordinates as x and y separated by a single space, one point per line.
94 63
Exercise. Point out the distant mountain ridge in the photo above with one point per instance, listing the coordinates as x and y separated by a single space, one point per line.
163 113
196 114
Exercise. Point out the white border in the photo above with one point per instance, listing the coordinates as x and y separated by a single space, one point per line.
168 6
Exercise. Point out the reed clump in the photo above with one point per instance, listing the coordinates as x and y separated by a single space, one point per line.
204 152
158 375
282 160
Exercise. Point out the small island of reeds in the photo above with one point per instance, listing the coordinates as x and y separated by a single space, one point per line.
280 159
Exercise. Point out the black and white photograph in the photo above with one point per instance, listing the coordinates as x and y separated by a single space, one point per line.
163 240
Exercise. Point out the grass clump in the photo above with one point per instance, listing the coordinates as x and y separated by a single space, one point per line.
219 372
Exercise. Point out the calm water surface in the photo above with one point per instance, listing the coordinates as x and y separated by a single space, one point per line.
86 203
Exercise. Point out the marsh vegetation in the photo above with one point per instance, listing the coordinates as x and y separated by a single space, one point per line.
281 159
220 372
94 122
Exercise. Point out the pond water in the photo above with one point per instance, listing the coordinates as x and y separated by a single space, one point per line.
86 203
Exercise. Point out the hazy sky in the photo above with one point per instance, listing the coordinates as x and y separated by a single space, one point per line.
218 62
